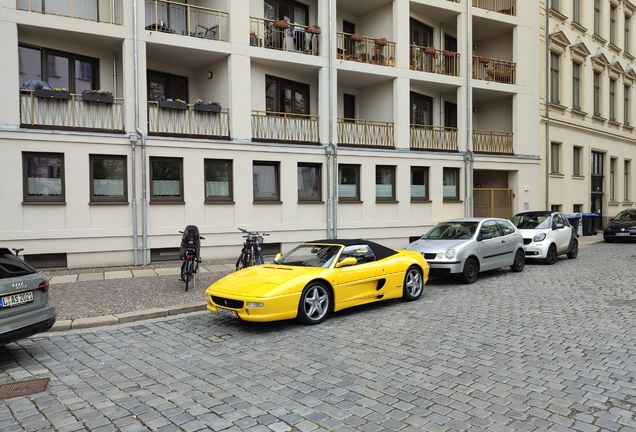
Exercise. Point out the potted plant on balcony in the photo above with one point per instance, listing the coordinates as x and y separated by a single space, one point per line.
101 96
59 93
484 60
210 106
314 29
178 104
430 50
380 42
356 38
449 53
281 24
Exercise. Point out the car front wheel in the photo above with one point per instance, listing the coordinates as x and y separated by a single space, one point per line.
471 271
413 284
574 250
315 303
520 261
552 255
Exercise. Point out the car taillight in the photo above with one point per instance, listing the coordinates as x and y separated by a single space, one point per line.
44 286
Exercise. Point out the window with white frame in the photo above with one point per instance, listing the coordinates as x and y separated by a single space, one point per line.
576 86
626 97
597 94
627 33
555 158
576 161
218 180
419 183
613 25
597 17
554 77
612 100
266 181
576 11
612 179
450 184
626 170
384 183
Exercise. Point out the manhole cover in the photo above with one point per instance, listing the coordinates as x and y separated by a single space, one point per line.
24 388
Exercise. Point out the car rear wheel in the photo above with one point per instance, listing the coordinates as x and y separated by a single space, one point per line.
413 284
315 303
552 255
471 271
574 250
520 261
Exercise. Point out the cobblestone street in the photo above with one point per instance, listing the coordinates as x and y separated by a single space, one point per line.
551 348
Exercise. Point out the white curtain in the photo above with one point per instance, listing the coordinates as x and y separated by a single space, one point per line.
217 189
114 188
418 191
264 181
45 186
165 188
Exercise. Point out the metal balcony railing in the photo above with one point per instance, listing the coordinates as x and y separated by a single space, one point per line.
365 49
106 11
496 142
71 113
429 59
426 137
489 69
185 19
508 7
279 126
281 35
365 133
187 122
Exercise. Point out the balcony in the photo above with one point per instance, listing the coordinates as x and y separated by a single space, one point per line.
365 133
507 7
489 69
365 49
106 11
435 138
185 19
71 114
279 126
283 36
493 142
187 122
428 59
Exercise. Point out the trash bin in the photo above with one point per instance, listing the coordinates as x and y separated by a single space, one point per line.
590 223
574 220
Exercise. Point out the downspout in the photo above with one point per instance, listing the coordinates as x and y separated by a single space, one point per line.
468 155
143 151
331 149
547 108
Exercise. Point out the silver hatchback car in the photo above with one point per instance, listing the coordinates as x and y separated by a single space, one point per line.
25 308
464 247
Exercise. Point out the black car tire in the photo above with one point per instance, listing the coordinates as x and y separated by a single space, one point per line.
552 255
471 271
315 303
413 284
574 250
520 261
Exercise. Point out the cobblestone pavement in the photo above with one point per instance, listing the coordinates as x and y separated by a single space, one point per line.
551 348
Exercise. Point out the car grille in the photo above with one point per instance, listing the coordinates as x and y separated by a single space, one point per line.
233 304
430 256
527 241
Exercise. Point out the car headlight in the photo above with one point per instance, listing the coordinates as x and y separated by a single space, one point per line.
538 237
255 304
449 254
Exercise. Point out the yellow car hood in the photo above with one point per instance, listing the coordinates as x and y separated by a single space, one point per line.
263 281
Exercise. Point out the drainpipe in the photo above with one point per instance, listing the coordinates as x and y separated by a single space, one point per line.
331 149
547 107
141 134
469 156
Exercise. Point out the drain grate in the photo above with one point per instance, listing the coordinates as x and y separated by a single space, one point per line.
24 388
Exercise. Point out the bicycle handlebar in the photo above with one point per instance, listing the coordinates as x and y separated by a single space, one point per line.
254 234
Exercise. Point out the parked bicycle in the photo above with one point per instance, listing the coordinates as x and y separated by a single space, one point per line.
251 252
190 254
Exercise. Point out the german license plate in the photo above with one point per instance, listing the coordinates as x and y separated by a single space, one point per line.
17 299
622 234
226 312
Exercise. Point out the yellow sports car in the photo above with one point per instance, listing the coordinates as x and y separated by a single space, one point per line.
318 277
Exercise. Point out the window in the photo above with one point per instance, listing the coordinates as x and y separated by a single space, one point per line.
555 160
612 179
576 161
576 86
597 17
43 177
421 34
309 182
161 84
577 208
597 172
421 109
286 96
554 78
626 90
287 10
349 182
166 179
362 253
451 184
506 227
490 228
554 5
349 107
218 180
85 71
419 183
612 100
266 181
597 94
384 183
628 27
626 180
576 11
613 25
555 207
108 178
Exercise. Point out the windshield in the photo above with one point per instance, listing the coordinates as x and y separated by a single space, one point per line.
452 231
536 221
625 216
308 255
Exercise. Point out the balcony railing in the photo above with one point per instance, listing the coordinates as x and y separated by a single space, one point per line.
365 49
429 59
106 11
425 137
497 142
187 122
508 7
72 113
273 34
365 133
489 69
185 19
279 126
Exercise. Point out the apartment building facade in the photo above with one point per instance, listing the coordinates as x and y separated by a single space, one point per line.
125 121
588 106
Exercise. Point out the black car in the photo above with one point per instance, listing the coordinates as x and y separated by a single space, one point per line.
621 227
25 308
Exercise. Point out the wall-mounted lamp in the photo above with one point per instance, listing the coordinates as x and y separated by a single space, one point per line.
475 109
475 47
210 74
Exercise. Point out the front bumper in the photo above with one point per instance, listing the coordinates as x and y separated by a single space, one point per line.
274 309
537 250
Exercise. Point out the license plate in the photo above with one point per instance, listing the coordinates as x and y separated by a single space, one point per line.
226 312
621 234
17 299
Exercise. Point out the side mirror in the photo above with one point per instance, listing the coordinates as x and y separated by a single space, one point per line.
559 226
484 237
349 261
277 257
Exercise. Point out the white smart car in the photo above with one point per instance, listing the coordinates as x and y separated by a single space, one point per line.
546 235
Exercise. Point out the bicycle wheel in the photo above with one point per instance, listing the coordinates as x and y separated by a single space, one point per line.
240 262
188 272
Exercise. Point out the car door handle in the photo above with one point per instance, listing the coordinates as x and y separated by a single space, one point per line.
503 241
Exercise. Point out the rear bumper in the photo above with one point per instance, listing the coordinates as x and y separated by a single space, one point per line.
26 331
